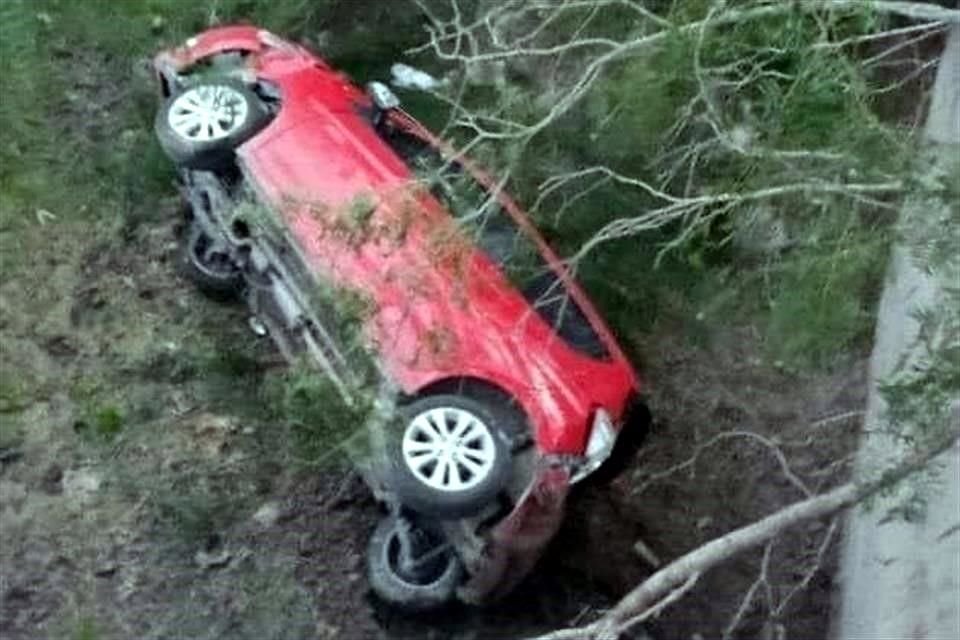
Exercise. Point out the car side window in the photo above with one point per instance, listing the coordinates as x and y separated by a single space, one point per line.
480 214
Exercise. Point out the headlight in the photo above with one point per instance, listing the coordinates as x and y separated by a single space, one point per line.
602 438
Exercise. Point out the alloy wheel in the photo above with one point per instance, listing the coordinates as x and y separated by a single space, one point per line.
449 449
207 113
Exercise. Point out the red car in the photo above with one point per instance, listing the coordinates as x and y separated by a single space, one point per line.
507 385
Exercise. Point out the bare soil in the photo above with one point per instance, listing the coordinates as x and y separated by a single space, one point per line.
697 395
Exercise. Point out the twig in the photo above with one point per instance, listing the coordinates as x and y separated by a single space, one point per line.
748 597
726 435
812 571
839 417
643 550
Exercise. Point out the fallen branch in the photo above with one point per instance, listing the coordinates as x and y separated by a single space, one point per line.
652 612
677 575
451 40
763 580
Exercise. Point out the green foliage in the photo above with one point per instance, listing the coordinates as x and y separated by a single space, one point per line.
11 430
191 510
813 294
99 423
919 396
935 215
86 629
107 421
14 395
321 425
79 143
100 418
230 361
821 299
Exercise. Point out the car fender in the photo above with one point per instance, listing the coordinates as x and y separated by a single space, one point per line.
547 418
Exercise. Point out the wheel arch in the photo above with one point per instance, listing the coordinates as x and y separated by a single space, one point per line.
478 389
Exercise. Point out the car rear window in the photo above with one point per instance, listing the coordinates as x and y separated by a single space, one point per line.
482 217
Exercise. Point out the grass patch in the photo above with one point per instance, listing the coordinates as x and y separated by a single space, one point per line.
11 430
321 428
266 604
107 421
86 629
193 514
79 144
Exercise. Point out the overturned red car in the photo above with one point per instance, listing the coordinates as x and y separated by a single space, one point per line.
505 385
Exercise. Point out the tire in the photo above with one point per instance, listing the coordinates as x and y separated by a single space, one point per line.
431 585
417 448
209 268
197 143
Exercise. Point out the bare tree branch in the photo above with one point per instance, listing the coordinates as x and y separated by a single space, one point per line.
698 208
709 129
652 612
812 571
679 572
915 10
690 462
747 600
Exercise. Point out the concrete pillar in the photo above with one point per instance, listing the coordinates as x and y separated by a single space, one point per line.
901 580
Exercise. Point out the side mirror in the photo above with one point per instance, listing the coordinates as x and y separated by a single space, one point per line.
382 96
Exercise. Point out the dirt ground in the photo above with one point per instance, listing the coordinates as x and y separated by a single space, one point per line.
702 400
89 541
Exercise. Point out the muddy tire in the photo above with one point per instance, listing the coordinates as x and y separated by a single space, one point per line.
450 455
200 127
208 265
411 567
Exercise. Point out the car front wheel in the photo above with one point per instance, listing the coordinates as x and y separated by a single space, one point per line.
451 455
201 126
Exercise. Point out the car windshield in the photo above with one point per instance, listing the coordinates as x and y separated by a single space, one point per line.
481 215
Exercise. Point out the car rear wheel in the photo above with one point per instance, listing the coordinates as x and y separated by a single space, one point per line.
201 126
450 455
206 261
411 566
